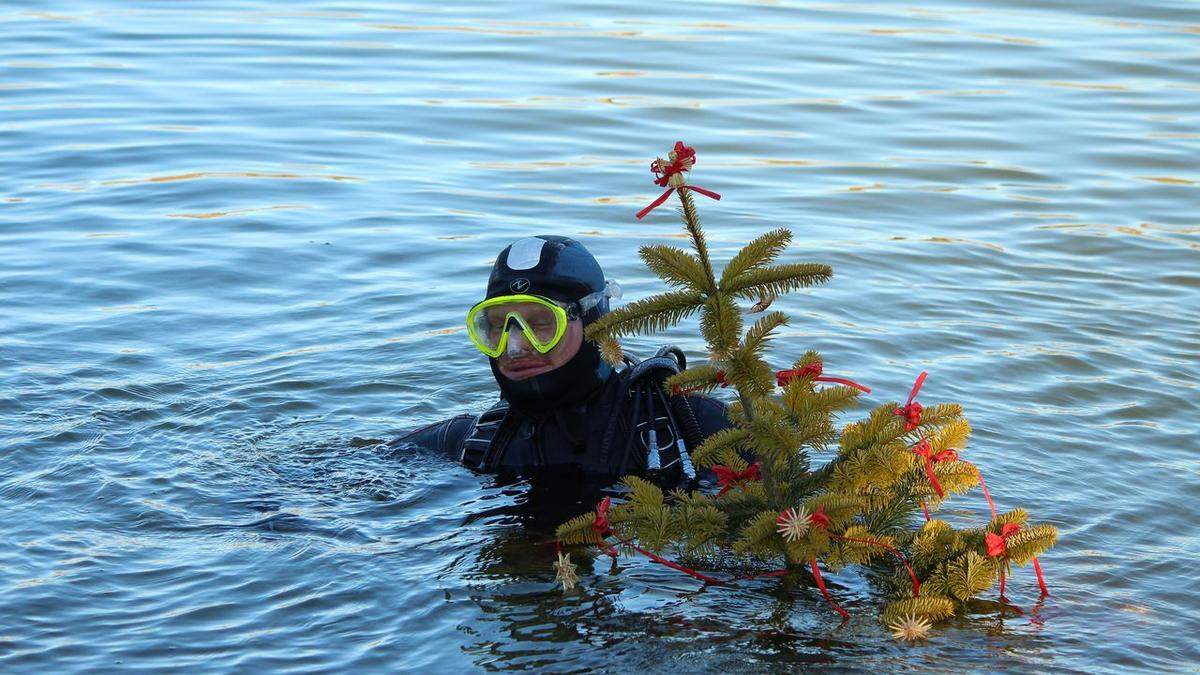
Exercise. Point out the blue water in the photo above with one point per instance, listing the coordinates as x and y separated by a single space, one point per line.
237 241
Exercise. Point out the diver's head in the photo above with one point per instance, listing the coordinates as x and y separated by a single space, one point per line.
543 291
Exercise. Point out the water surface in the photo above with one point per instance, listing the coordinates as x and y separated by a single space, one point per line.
237 241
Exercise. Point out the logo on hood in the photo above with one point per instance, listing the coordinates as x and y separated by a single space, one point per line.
519 285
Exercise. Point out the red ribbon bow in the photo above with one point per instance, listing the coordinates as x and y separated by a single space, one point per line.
813 370
997 544
947 455
819 518
600 525
727 478
911 412
925 451
682 159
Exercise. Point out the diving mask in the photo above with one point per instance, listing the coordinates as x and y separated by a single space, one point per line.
542 321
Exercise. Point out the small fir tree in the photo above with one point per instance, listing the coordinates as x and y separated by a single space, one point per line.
857 509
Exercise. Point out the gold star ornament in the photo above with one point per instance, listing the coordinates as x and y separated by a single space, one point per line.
565 571
910 628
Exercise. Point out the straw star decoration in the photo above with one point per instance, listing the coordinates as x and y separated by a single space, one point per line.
564 571
793 523
909 628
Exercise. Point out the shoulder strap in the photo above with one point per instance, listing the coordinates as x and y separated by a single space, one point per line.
483 431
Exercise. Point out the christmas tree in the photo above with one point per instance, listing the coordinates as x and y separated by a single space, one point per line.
870 505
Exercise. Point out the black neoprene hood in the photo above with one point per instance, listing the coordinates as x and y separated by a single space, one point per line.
548 265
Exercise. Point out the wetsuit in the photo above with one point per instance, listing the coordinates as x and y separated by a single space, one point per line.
606 435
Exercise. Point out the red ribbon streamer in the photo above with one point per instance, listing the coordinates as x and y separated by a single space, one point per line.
821 585
783 377
727 478
673 565
663 197
948 455
1037 568
923 449
911 412
986 495
685 158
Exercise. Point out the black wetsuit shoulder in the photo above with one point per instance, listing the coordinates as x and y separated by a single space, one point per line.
444 437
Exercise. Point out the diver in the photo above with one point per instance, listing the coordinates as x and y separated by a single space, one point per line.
563 410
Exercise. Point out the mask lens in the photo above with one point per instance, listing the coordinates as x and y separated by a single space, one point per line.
541 320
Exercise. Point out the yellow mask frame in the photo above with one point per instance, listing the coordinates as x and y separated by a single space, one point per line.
478 324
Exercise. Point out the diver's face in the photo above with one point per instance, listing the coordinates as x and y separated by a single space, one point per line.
521 361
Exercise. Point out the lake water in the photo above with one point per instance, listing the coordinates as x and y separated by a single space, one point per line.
237 240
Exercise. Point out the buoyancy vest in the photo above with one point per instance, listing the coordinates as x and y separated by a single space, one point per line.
631 425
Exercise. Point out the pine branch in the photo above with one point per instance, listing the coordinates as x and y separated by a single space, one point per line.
749 373
643 493
578 530
840 509
953 435
710 450
778 279
933 418
1031 541
759 252
675 267
892 517
970 575
720 324
772 442
928 607
955 478
934 542
759 537
701 378
649 315
1018 516
759 335
700 524
857 550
